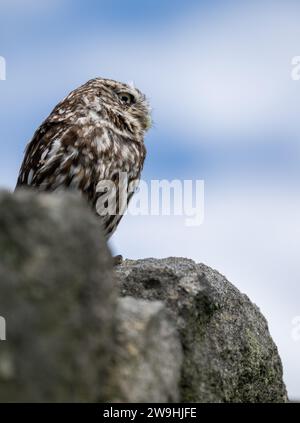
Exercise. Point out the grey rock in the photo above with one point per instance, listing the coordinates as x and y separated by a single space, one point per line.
182 332
58 296
148 354
229 355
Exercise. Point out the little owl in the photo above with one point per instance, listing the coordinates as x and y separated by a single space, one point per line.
94 135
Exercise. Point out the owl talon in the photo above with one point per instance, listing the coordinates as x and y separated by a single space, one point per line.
118 260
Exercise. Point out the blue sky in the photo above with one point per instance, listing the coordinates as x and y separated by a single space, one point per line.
218 76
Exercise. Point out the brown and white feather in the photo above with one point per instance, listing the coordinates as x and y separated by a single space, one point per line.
89 137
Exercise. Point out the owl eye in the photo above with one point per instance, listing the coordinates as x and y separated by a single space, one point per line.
127 98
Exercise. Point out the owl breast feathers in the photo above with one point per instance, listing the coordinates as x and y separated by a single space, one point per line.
92 137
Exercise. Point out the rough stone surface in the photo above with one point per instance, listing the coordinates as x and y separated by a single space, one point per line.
149 355
182 332
229 355
57 294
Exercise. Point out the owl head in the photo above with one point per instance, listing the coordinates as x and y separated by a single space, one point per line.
104 100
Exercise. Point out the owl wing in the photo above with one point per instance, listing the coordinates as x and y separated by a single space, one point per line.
63 156
58 158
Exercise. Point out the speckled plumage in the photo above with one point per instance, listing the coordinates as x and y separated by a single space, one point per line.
95 133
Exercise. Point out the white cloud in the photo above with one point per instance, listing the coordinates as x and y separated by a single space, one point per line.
226 78
231 76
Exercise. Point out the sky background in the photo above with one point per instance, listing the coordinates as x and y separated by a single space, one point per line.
226 110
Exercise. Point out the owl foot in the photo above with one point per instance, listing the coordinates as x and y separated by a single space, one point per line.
118 260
